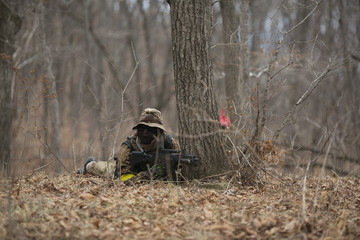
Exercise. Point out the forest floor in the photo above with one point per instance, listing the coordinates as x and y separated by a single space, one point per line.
41 206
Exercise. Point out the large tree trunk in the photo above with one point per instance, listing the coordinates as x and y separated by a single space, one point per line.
191 23
9 24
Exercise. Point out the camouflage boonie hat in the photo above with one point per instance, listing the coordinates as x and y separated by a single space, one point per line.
151 117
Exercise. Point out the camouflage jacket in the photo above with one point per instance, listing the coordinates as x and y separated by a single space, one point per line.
122 157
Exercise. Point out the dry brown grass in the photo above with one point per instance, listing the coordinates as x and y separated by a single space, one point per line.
84 207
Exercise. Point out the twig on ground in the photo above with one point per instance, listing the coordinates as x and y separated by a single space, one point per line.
39 168
304 193
215 176
306 172
321 174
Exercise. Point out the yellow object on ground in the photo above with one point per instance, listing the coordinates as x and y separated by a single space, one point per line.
125 177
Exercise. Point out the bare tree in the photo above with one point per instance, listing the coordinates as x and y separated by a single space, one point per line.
10 23
53 95
244 49
191 24
258 16
231 55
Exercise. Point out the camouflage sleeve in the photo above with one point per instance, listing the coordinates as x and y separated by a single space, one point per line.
122 159
175 145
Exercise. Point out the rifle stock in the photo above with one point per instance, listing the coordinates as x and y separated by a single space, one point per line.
166 161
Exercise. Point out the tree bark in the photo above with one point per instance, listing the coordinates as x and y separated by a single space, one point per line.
350 72
191 23
55 140
9 24
244 49
150 57
231 54
258 16
131 42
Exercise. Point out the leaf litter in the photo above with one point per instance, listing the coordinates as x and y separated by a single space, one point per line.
41 206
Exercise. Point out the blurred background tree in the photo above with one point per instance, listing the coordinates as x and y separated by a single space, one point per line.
10 24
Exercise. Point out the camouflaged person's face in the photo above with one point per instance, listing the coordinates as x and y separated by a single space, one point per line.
147 134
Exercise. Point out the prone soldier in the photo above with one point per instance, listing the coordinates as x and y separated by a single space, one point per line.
150 137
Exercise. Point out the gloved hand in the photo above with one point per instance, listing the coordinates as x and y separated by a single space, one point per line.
157 171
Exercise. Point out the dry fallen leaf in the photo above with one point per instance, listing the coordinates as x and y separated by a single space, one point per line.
224 227
208 213
87 196
3 233
292 226
257 223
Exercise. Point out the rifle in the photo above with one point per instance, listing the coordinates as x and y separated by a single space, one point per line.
164 162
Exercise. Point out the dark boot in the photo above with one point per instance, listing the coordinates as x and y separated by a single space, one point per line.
83 169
